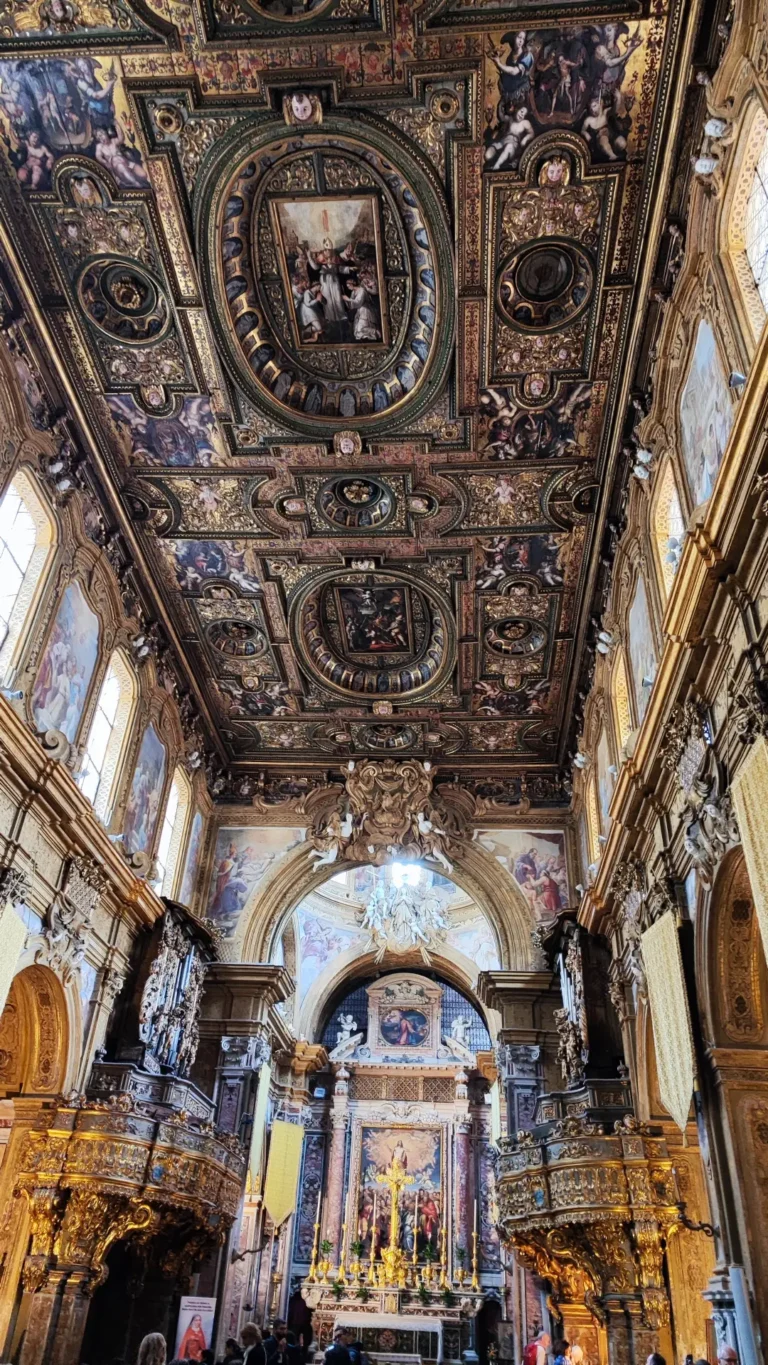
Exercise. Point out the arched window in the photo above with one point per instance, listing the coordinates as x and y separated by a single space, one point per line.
105 744
756 223
668 528
26 539
745 223
172 834
620 696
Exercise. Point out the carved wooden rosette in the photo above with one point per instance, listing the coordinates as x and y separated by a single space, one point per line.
590 1212
100 1173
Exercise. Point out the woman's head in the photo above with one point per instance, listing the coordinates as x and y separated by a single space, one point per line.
197 1323
152 1350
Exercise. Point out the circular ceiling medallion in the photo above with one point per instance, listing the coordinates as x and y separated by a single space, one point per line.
356 502
123 300
238 639
516 635
545 285
329 262
386 738
366 634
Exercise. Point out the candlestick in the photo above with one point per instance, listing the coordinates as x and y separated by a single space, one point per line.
416 1230
444 1258
342 1271
371 1270
475 1280
313 1266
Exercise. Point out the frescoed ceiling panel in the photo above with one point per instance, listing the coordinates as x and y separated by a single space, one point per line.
346 289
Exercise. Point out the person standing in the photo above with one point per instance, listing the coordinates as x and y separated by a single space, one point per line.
535 1352
337 1353
254 1350
152 1350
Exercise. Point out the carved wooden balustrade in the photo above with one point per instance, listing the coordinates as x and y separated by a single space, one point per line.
588 1207
96 1173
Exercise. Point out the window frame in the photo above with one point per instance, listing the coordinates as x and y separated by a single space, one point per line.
173 866
111 771
35 576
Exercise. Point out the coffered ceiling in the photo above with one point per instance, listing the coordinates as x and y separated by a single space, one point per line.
347 295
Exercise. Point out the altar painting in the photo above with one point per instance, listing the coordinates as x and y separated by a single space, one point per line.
419 1152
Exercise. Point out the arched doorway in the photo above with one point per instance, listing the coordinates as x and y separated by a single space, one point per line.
33 1035
34 1046
734 974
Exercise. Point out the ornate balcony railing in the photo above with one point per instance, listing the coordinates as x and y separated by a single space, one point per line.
98 1172
588 1207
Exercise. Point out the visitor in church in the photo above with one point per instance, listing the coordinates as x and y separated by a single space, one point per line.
254 1350
655 1359
561 1351
287 1352
337 1353
152 1350
355 1347
270 1341
727 1355
232 1352
536 1351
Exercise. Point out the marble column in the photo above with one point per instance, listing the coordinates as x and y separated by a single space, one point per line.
58 1312
462 1233
333 1194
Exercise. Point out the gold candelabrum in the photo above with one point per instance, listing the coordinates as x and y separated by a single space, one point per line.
342 1275
475 1278
312 1276
444 1281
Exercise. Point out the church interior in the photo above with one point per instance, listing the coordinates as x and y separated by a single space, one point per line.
384 682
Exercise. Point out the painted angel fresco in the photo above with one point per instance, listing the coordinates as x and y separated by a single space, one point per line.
54 107
572 78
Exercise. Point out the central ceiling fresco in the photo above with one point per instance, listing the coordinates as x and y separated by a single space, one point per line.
346 295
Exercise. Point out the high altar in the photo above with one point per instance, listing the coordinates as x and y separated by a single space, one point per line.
396 1250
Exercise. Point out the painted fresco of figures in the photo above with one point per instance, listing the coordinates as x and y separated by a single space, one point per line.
193 857
642 650
195 561
54 107
418 1151
706 415
375 619
67 665
544 556
191 437
553 432
241 859
145 795
332 269
537 861
579 78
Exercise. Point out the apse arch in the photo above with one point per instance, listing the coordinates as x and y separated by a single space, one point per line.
475 871
352 966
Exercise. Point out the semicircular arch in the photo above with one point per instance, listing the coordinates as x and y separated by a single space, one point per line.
475 870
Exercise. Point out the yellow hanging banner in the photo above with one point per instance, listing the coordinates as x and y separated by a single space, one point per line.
283 1167
749 790
255 1159
663 964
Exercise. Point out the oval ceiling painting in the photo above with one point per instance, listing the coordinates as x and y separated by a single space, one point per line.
332 275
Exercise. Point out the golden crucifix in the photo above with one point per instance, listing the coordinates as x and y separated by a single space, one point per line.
395 1178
